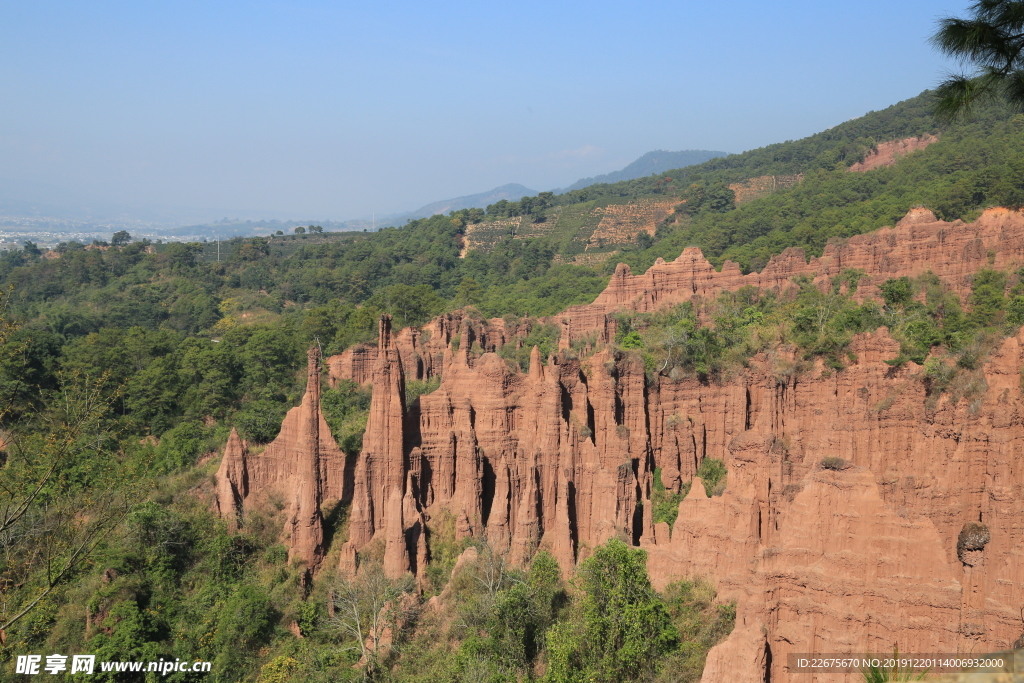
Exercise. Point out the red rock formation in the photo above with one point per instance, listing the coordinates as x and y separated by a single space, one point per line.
421 349
306 522
888 153
382 467
354 364
563 457
762 186
232 479
855 560
303 466
919 243
396 552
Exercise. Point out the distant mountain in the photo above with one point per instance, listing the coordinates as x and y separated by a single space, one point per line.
657 161
512 192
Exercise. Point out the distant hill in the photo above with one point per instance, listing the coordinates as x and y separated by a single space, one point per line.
657 161
512 192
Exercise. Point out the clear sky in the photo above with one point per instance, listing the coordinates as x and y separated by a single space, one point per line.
333 110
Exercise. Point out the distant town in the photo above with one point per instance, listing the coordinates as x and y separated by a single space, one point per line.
48 233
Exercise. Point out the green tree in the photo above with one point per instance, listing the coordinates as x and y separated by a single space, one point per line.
991 40
245 622
253 249
620 628
409 304
62 489
120 238
468 293
522 613
60 497
180 447
987 298
183 255
897 291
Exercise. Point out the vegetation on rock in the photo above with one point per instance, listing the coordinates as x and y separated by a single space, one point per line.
124 368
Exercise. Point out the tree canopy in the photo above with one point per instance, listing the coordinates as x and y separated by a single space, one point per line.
991 40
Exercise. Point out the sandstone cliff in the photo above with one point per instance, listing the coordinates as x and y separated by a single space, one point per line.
563 457
917 244
303 467
762 186
888 153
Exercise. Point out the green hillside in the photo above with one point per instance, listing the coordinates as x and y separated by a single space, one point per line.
123 369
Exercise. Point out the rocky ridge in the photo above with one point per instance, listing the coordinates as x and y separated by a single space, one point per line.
888 153
762 186
563 457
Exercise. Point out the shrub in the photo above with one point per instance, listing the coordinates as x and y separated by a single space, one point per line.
987 299
416 388
445 549
665 503
544 337
834 463
260 421
619 629
968 360
702 623
278 670
180 447
523 612
246 621
632 340
347 406
897 291
713 473
973 536
1015 312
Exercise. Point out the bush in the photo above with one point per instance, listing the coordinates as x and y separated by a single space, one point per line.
897 291
834 463
180 447
620 628
245 622
1015 312
278 670
702 623
713 473
973 536
665 503
987 299
260 421
346 408
544 337
632 340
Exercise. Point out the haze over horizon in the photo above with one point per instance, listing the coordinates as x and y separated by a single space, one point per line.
295 110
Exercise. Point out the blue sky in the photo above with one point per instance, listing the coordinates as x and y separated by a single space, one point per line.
333 110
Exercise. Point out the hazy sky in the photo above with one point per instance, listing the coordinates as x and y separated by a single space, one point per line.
332 110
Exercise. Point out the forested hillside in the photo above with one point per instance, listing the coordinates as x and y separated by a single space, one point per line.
124 368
